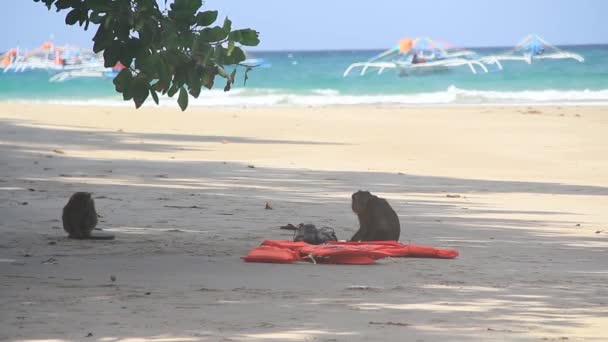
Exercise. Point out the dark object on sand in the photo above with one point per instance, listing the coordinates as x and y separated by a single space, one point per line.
288 226
310 234
377 220
80 218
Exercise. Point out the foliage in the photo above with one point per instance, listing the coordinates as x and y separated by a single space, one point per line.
166 51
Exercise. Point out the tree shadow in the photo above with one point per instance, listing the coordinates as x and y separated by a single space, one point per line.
22 132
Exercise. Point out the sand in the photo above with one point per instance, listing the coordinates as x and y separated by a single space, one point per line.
521 192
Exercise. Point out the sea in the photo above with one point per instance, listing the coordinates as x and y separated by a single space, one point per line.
315 78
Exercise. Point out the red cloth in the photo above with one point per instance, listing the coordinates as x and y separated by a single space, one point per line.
335 252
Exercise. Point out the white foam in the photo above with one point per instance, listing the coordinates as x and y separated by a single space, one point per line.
328 92
549 95
260 97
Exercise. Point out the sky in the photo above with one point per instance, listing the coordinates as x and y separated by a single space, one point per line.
355 24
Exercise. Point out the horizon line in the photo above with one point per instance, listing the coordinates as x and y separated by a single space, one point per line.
385 48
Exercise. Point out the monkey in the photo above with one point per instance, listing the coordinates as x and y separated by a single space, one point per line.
80 218
377 220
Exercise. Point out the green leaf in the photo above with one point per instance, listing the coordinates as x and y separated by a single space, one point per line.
206 18
194 83
149 33
186 5
72 17
227 25
122 81
98 5
183 12
182 100
111 55
144 60
213 34
96 17
250 37
140 90
237 56
154 95
127 95
47 3
172 90
246 75
102 39
82 18
63 4
230 47
108 22
161 87
247 37
232 76
164 73
195 92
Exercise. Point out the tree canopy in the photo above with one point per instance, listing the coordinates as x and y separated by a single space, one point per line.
174 50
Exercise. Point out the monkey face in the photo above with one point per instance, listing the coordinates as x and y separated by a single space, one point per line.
359 200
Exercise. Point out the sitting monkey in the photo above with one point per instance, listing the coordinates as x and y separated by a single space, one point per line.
377 220
79 218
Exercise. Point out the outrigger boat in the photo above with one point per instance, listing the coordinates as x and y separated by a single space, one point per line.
49 57
65 62
69 62
530 49
97 71
420 55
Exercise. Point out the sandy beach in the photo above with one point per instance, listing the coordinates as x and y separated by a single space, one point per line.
521 192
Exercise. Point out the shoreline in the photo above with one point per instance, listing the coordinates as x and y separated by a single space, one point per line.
168 103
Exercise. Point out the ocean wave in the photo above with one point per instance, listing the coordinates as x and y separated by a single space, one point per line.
327 92
326 97
535 96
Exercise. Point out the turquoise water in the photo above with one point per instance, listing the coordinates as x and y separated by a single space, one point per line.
315 78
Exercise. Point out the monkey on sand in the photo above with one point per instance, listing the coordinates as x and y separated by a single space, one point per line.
377 220
80 218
